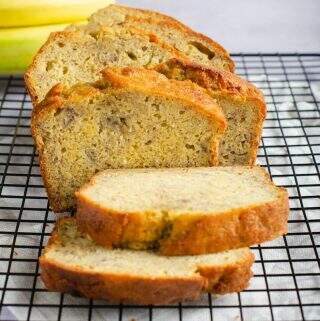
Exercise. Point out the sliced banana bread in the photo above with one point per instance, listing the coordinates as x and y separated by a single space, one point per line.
182 211
195 45
73 57
112 39
72 263
132 118
242 103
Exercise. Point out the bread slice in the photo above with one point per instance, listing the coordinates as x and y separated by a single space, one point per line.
114 37
70 57
72 263
133 118
182 211
242 103
196 46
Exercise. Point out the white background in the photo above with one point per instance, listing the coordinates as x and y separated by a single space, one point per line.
248 25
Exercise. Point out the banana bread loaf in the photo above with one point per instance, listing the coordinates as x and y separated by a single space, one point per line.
133 118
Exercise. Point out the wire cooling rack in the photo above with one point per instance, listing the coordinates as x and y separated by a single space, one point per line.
286 283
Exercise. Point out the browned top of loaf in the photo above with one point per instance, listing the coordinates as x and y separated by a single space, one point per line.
141 15
140 79
220 82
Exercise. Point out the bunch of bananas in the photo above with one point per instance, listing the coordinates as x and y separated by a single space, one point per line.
26 24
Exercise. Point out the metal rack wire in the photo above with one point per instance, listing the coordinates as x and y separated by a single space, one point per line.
286 285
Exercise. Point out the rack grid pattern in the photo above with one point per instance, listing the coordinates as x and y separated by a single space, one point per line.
286 283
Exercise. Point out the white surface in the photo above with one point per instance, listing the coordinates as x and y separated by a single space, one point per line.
248 25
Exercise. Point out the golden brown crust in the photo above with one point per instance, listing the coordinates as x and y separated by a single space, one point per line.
187 234
138 289
221 84
153 82
118 288
235 229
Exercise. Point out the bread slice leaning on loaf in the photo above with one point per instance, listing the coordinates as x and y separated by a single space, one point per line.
117 37
196 46
70 57
72 263
243 105
132 118
182 211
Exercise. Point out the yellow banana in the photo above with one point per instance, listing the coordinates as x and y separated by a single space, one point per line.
18 45
16 13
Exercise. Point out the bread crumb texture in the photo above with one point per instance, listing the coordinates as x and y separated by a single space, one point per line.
196 46
133 118
117 36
